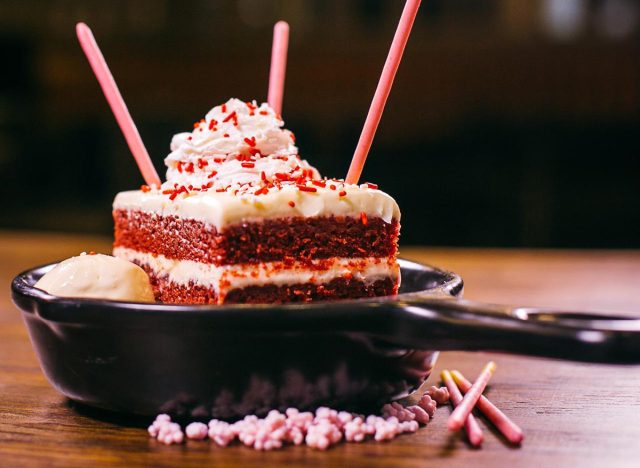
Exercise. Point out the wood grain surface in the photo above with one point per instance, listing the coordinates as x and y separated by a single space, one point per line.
572 414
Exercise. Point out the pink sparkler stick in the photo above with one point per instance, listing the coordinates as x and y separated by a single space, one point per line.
508 428
474 433
278 65
117 104
382 91
459 415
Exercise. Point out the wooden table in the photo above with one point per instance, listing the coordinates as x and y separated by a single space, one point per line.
572 414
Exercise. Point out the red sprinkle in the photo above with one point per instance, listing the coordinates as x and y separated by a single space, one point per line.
292 203
250 141
145 188
233 116
202 163
212 124
226 135
319 183
92 253
261 191
224 108
372 186
342 193
304 188
179 167
263 176
176 192
363 218
212 174
332 187
264 113
248 164
189 168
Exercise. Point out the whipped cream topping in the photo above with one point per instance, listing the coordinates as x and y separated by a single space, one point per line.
238 147
239 164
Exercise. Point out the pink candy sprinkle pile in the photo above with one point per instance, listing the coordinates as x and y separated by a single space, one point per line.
319 430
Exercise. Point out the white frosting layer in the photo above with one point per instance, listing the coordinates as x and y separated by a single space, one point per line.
223 209
98 276
228 277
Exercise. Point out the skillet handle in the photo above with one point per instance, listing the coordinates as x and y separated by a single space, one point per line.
453 324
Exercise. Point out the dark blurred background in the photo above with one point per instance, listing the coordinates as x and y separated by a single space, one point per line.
511 122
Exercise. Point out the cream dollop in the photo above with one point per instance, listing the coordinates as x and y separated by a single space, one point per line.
237 146
98 276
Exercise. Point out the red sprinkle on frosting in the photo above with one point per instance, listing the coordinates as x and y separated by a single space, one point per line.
232 116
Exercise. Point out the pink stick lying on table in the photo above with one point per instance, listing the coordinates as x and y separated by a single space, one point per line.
278 65
382 91
474 433
459 415
118 106
507 427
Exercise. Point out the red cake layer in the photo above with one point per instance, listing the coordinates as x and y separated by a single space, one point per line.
265 241
338 288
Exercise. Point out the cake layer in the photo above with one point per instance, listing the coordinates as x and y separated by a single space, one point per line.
223 209
338 288
224 279
300 239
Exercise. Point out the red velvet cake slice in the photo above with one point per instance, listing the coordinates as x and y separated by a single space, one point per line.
242 219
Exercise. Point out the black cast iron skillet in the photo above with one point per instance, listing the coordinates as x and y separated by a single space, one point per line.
228 361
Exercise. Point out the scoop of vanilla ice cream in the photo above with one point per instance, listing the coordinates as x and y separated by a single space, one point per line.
98 276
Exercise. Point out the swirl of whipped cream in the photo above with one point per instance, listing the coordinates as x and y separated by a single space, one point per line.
237 146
